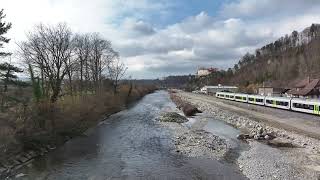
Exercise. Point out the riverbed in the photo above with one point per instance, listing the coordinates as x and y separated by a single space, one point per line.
128 145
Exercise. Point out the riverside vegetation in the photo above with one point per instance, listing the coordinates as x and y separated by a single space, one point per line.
75 80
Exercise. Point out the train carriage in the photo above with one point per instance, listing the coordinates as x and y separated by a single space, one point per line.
256 99
310 106
229 96
306 105
241 97
219 95
225 95
277 102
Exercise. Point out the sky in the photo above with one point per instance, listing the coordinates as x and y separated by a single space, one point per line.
158 38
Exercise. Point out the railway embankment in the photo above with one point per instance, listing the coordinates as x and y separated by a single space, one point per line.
283 144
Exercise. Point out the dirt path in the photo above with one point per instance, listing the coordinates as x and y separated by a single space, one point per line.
301 123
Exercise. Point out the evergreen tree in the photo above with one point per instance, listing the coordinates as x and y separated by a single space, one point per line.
7 74
4 27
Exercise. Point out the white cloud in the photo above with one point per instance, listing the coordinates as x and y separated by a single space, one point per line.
151 50
268 8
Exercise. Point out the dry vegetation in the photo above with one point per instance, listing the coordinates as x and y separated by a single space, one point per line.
41 124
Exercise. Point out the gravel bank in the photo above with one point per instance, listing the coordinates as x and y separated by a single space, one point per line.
195 142
262 161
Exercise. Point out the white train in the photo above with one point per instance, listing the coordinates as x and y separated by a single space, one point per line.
294 104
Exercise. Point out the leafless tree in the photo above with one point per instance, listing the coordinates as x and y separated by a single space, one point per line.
116 70
48 49
82 52
100 48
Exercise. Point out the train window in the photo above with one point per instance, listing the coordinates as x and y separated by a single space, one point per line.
282 103
303 106
238 97
251 99
311 107
227 96
231 96
259 100
269 101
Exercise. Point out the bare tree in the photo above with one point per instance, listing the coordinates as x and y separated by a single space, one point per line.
49 48
82 52
101 56
116 70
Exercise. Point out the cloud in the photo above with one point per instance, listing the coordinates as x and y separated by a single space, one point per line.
268 8
152 49
138 28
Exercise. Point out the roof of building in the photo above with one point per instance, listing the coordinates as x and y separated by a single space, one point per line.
305 89
302 83
217 87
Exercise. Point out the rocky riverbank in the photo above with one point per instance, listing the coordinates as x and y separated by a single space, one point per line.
192 140
274 153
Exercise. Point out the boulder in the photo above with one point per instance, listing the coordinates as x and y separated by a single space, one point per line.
269 136
244 136
190 110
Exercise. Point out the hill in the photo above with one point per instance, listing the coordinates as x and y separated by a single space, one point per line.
280 63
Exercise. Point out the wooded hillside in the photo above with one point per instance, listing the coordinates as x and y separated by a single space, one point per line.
280 63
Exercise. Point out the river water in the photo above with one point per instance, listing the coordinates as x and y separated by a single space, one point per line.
127 145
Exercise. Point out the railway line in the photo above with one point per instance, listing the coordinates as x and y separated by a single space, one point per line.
310 106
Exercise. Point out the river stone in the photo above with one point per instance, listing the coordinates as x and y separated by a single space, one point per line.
243 136
172 117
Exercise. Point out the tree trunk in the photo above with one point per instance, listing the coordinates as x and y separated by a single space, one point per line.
55 91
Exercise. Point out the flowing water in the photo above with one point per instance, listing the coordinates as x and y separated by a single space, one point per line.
128 145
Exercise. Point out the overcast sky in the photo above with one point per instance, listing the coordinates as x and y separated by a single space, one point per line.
158 38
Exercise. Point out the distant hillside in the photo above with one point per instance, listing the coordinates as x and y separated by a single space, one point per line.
280 63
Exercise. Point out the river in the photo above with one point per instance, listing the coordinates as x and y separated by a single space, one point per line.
128 145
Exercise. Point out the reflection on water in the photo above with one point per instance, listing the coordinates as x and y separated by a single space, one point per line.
129 145
222 129
228 132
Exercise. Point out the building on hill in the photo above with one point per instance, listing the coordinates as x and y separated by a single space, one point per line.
307 88
205 71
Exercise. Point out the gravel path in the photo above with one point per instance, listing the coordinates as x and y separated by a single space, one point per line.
262 161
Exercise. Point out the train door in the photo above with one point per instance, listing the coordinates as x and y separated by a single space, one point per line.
316 109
